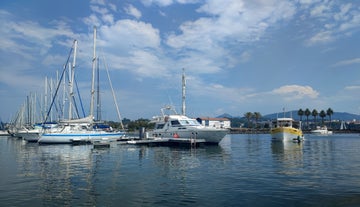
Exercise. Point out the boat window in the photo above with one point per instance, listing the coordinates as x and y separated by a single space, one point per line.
175 123
189 122
159 126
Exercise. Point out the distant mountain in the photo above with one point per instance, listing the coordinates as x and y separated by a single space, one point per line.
225 116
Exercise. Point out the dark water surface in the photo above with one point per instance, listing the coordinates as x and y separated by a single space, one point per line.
244 170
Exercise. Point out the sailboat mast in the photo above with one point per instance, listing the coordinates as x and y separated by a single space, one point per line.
93 77
45 96
71 83
183 110
98 103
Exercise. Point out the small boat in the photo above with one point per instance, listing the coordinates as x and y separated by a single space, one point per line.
180 126
32 134
4 133
321 131
286 129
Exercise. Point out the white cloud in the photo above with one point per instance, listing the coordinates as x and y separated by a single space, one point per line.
331 20
28 38
165 3
158 2
147 64
92 20
225 25
98 9
352 88
100 2
245 56
131 10
231 21
343 15
127 34
347 62
320 10
295 92
102 9
321 37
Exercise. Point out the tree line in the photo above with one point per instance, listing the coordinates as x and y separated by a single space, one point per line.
256 116
329 112
251 119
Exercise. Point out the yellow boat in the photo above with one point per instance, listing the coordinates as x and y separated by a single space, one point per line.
286 129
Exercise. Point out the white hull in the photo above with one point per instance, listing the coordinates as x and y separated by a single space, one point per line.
285 136
285 131
88 136
31 136
4 133
321 131
210 135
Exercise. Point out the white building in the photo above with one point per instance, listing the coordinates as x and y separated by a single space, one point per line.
215 122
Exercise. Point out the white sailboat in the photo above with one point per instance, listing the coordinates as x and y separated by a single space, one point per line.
78 130
84 129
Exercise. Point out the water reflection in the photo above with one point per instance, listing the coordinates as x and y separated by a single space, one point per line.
247 169
289 155
66 173
51 174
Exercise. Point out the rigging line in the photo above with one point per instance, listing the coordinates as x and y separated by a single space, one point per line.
55 104
79 96
75 106
58 86
113 93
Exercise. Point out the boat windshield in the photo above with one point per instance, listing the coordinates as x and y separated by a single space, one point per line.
189 122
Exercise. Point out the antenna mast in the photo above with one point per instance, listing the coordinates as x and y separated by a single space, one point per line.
183 110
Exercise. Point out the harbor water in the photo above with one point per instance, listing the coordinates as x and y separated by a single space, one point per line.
244 170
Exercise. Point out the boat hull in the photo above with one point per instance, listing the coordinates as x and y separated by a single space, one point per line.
211 136
321 132
4 133
286 134
31 136
68 138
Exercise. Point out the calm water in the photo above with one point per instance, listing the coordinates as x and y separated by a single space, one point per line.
244 170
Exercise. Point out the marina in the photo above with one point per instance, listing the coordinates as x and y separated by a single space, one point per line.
64 142
244 169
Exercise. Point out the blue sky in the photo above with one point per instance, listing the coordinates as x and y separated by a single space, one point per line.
239 55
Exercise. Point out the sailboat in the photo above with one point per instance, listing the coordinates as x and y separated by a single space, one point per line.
80 129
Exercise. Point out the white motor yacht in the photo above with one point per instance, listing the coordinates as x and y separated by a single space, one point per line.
180 126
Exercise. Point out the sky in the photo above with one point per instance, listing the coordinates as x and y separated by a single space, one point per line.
238 55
